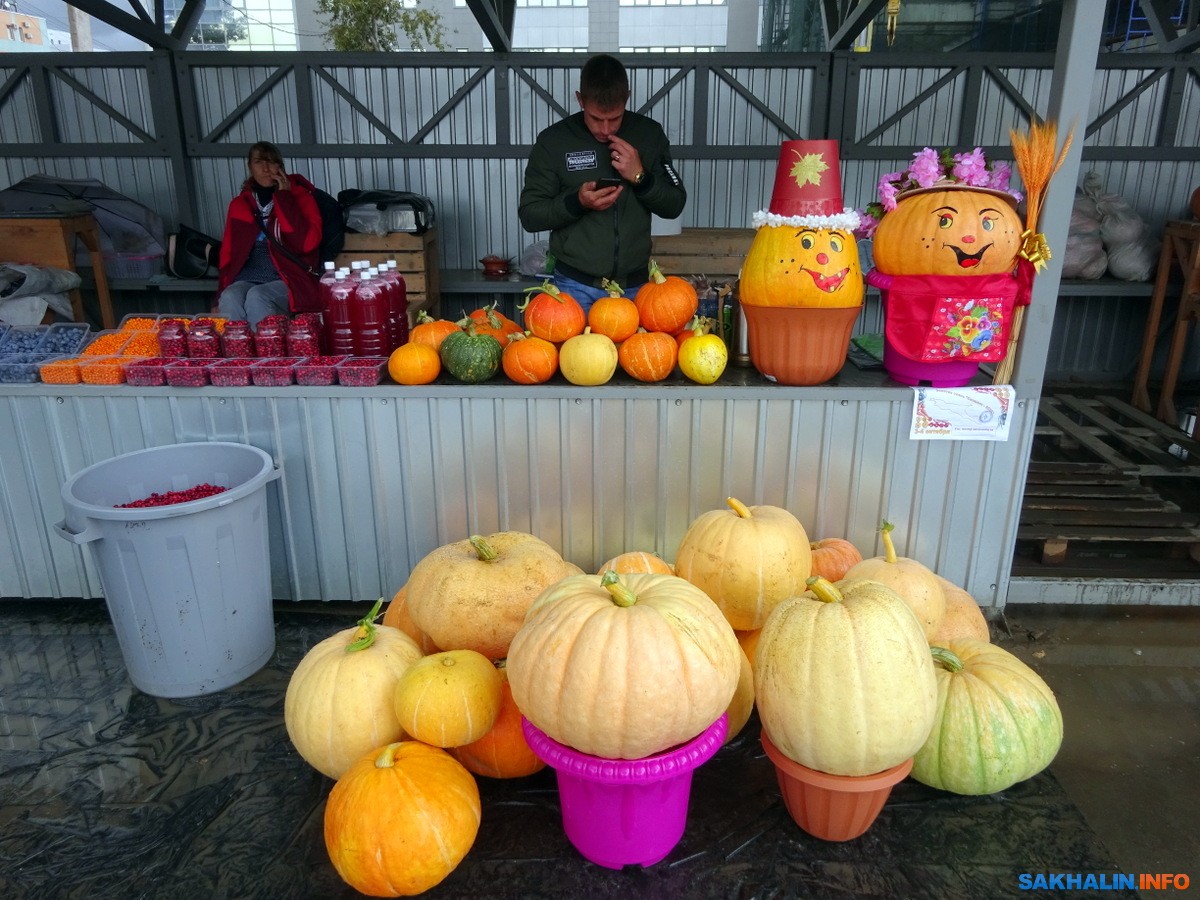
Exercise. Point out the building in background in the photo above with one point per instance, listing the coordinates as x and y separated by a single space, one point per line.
22 32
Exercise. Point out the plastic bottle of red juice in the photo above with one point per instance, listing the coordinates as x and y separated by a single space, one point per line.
337 318
397 305
369 315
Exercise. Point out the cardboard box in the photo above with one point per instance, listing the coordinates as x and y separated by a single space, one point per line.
717 253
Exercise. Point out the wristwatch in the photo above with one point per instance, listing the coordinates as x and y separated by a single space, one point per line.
639 177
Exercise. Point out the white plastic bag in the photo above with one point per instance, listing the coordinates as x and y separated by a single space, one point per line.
1132 250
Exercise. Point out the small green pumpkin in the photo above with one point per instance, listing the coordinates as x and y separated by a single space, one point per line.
471 357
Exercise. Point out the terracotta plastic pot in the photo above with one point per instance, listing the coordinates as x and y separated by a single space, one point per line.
797 345
620 812
832 807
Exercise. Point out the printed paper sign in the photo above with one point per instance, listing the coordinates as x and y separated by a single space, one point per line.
962 414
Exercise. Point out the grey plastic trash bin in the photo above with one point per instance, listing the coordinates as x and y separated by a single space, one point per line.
188 585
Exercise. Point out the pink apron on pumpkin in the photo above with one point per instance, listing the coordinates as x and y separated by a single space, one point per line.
939 318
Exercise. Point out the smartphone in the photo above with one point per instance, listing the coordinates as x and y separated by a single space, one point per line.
609 181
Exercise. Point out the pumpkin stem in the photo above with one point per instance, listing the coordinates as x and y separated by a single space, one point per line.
825 590
424 318
738 507
656 274
620 593
614 289
387 755
486 551
889 548
547 288
947 659
366 630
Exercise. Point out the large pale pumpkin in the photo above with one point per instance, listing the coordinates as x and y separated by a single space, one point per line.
917 584
949 231
473 594
742 704
747 559
798 266
623 666
843 679
450 698
401 819
997 721
339 700
963 618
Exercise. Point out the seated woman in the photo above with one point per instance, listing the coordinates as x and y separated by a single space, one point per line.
270 245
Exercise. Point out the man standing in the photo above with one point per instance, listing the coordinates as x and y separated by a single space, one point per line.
593 181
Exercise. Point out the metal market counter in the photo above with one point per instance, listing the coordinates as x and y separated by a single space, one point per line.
374 478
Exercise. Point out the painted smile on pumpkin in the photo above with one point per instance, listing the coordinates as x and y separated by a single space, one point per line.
828 283
968 260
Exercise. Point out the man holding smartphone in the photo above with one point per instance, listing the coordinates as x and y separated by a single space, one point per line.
593 180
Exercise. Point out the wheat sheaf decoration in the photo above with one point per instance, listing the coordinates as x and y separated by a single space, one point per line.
1038 158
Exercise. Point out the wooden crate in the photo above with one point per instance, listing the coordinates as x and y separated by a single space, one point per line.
716 253
416 258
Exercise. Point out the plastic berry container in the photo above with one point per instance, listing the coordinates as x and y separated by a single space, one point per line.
172 338
103 370
148 372
361 371
22 368
21 339
318 371
139 322
203 342
275 371
233 372
107 343
187 372
64 337
142 342
60 370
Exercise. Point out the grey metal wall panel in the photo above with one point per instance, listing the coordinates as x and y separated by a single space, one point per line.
373 480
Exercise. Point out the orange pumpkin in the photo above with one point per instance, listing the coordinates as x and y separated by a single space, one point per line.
529 359
401 819
503 752
414 363
632 561
553 315
665 302
615 317
648 355
396 615
489 320
949 231
431 331
833 557
798 266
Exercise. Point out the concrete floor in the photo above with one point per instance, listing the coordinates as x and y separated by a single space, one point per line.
1128 683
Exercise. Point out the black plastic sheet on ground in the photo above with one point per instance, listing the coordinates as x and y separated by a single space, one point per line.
108 792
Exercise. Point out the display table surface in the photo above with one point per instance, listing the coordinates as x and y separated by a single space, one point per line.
110 792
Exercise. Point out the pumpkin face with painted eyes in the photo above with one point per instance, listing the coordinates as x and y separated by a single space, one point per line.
948 232
798 266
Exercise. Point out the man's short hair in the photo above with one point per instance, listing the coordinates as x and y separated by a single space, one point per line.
604 82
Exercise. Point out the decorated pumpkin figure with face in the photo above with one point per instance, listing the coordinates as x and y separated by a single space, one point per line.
804 252
947 254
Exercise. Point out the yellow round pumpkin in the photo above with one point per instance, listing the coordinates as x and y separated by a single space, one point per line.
450 698
339 700
949 231
798 266
401 819
473 594
747 559
963 617
843 678
742 704
604 664
588 359
703 358
997 721
917 585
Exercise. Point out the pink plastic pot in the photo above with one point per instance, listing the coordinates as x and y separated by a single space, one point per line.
951 373
620 812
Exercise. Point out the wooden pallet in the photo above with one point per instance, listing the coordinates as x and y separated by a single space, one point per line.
1097 478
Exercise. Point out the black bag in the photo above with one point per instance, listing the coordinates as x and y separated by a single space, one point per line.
333 225
191 253
378 212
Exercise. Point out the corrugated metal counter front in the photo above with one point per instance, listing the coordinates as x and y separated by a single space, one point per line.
374 478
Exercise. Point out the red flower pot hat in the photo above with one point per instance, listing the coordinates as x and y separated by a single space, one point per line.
808 188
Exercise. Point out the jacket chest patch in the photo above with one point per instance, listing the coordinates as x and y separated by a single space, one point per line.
581 160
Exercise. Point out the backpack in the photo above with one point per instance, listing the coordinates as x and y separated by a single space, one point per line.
382 211
333 225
